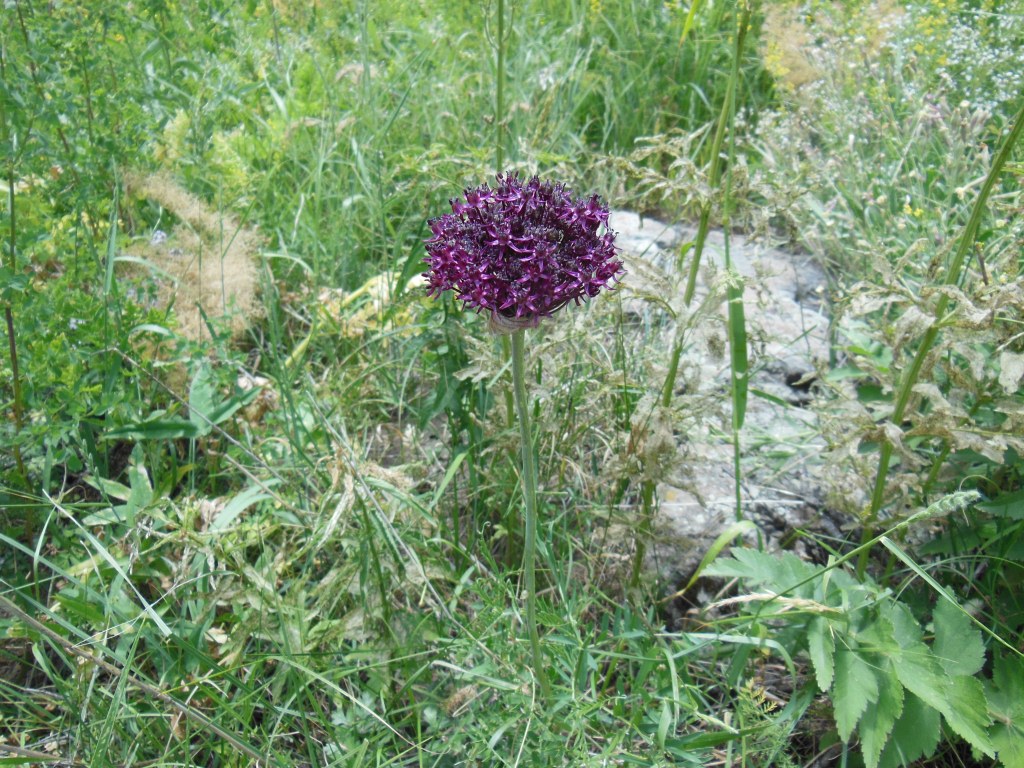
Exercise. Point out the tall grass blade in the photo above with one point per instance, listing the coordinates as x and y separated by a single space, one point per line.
912 374
944 593
723 540
135 681
647 492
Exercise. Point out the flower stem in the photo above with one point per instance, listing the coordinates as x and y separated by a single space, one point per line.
499 166
12 347
529 480
499 92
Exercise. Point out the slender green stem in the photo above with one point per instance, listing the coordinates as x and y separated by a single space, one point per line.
913 373
499 92
736 324
703 227
715 171
529 480
12 347
500 127
12 350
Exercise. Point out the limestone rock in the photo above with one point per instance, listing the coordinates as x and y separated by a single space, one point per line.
787 332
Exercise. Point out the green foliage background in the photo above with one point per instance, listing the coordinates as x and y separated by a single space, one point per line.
298 545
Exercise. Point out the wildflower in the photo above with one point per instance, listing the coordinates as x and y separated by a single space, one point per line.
521 251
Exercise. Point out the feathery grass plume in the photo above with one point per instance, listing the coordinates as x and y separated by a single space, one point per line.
209 257
798 49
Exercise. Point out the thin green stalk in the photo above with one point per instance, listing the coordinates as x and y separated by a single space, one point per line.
12 350
12 347
703 227
500 128
737 323
529 481
737 332
913 373
182 708
715 171
499 92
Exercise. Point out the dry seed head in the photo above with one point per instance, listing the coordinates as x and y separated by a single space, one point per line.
209 256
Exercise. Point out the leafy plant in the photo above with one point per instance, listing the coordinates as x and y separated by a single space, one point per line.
869 653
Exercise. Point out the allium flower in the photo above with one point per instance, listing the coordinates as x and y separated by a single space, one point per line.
521 251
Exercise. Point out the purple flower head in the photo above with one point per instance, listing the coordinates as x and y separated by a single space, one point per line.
521 251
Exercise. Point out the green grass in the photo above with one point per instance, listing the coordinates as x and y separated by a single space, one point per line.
293 536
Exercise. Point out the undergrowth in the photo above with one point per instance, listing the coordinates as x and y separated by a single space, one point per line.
260 498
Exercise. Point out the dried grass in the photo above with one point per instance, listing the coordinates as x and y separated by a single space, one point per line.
206 263
797 55
785 45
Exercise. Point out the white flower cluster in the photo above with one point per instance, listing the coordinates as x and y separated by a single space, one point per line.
976 54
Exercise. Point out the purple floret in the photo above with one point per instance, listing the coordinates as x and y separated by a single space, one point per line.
521 251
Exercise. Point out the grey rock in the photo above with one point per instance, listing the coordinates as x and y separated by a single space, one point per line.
787 330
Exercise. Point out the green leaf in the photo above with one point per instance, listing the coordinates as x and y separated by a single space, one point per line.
967 713
238 505
723 540
961 700
28 760
1009 505
737 349
141 495
154 428
665 721
206 407
1006 702
202 399
906 630
821 646
110 488
779 573
453 467
878 721
11 283
915 734
855 687
958 644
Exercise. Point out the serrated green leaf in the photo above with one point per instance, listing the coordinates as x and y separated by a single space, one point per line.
1009 505
906 630
877 722
958 644
880 635
915 734
725 538
1005 693
960 700
967 713
821 646
855 688
920 673
777 572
